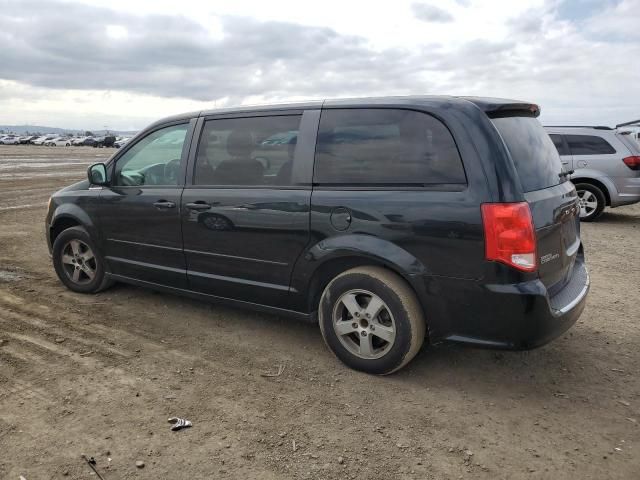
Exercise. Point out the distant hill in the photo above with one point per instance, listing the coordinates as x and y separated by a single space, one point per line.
24 129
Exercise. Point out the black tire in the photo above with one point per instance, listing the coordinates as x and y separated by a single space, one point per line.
84 284
592 192
403 306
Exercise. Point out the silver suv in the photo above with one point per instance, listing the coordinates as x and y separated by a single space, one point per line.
605 164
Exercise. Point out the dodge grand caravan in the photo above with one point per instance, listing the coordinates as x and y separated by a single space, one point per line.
388 221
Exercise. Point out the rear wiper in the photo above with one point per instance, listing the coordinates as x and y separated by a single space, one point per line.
566 174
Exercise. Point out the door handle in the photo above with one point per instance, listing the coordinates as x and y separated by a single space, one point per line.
198 206
164 204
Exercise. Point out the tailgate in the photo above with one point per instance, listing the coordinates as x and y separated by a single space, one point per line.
556 217
552 198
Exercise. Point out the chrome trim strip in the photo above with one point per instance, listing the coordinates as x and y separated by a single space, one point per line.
576 300
234 257
146 265
144 244
253 283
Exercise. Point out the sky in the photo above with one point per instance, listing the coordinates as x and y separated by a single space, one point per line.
122 64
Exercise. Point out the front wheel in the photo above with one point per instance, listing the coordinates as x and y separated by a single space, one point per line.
371 320
592 201
78 263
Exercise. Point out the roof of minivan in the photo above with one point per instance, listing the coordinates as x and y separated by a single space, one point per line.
487 104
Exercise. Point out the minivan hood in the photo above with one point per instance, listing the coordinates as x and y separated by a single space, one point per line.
81 185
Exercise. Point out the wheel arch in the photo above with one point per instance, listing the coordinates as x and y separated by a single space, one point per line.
596 183
330 257
67 216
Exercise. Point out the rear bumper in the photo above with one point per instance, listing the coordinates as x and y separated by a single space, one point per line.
521 316
627 191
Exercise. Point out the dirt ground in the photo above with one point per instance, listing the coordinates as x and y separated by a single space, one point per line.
99 375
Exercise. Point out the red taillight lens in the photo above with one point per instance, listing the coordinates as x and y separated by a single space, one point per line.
632 162
509 235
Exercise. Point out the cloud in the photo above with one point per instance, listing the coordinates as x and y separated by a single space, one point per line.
72 59
85 47
430 13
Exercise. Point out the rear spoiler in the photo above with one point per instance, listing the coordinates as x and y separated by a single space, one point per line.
498 107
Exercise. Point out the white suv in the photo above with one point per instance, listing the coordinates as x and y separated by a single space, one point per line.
605 164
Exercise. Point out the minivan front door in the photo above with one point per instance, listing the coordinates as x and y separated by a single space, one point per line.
140 210
245 215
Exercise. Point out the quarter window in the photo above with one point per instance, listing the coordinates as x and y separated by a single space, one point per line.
247 151
589 145
385 147
154 160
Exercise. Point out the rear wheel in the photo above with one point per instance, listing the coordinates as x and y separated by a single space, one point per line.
78 263
371 320
592 201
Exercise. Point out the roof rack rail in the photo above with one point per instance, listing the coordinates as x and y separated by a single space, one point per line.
628 124
597 127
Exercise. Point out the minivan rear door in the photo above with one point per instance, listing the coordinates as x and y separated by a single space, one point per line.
551 196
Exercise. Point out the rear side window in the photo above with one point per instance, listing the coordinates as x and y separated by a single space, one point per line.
247 151
385 147
559 143
534 154
589 145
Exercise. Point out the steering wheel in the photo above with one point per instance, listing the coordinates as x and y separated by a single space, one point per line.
172 171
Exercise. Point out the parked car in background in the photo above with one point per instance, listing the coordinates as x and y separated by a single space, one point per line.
27 139
41 140
121 142
105 141
387 220
605 165
59 142
86 142
9 140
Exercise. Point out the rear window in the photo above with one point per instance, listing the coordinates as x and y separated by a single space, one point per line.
589 145
385 147
534 154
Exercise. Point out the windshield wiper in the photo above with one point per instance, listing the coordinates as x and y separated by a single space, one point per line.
566 174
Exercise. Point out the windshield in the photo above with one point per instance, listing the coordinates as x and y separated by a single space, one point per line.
534 154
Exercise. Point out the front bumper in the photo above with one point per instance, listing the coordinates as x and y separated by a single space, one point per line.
48 237
521 316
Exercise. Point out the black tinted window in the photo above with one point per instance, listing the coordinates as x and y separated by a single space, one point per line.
534 155
384 146
589 145
247 151
559 144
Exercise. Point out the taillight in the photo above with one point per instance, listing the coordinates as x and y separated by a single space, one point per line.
632 162
509 235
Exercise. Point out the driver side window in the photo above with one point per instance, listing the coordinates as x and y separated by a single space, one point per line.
154 160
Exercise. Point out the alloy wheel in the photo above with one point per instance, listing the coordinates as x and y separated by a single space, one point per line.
79 262
588 203
364 324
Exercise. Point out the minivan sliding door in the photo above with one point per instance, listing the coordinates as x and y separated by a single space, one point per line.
245 208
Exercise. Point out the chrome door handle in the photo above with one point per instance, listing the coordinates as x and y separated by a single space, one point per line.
164 204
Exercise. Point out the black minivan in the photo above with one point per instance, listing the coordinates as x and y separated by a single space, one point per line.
387 220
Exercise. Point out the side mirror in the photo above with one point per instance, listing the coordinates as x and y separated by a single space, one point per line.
97 174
